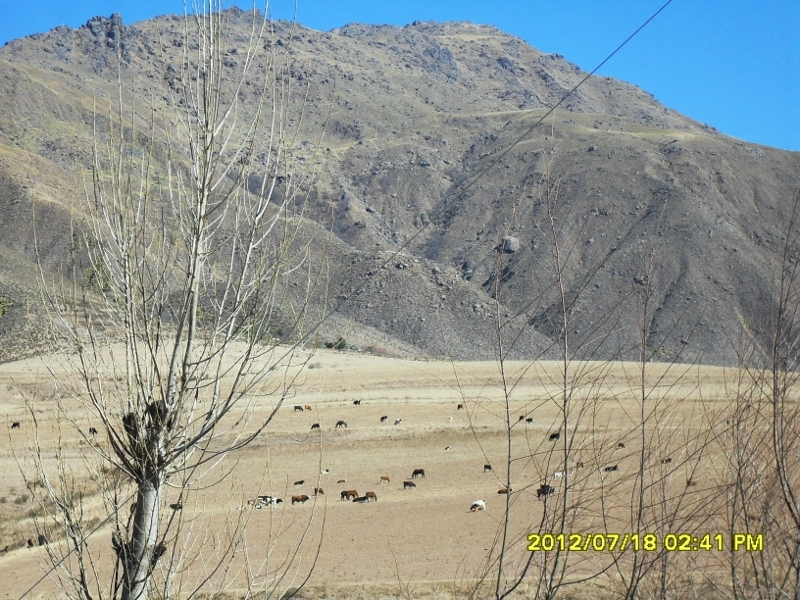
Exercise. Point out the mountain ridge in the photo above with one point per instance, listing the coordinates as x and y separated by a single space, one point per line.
398 122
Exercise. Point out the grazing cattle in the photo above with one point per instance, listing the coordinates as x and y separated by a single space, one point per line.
690 483
4 550
398 421
487 467
370 496
43 540
319 492
307 407
579 465
666 461
449 419
92 430
30 543
418 473
384 418
408 485
385 479
529 420
611 468
267 501
361 499
348 494
544 491
300 482
298 408
521 418
558 475
342 481
460 407
502 490
554 436
448 448
301 498
176 506
325 471
477 505
341 424
620 445
314 426
15 425
357 402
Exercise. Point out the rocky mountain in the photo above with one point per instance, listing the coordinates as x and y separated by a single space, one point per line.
423 140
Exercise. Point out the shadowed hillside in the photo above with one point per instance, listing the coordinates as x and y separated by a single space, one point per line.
399 123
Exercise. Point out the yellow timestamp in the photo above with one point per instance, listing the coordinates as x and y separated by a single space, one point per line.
645 542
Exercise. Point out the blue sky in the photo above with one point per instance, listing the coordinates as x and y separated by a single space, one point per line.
733 64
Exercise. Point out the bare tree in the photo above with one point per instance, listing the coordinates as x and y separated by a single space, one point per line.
170 330
762 432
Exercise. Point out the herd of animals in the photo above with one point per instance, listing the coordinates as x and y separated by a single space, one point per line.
545 490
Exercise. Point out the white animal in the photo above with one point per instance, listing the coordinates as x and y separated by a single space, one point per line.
449 419
477 505
558 475
325 471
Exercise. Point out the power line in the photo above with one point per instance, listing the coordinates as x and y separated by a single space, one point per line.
455 192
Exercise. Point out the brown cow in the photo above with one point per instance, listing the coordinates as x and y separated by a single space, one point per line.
319 492
371 496
307 407
385 479
348 494
301 498
502 490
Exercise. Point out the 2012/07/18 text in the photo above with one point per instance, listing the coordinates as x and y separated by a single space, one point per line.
647 542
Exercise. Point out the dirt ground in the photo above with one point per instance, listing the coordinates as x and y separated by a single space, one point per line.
410 540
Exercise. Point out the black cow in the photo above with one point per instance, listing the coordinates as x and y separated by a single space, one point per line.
611 468
554 436
418 473
544 491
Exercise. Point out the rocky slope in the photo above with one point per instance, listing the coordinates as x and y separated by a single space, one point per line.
421 139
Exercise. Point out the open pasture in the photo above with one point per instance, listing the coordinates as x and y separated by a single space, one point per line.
425 534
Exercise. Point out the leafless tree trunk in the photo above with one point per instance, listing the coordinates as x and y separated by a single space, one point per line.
170 330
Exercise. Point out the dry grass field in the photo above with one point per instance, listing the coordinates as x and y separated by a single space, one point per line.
422 541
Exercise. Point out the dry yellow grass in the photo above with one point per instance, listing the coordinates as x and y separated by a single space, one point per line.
422 541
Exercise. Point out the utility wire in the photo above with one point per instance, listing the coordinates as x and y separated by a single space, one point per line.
456 191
